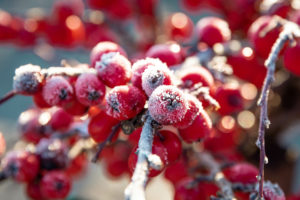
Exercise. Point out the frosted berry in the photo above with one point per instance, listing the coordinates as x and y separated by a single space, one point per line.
124 102
197 74
212 30
241 173
55 185
272 192
155 76
194 108
113 69
102 48
167 104
89 89
100 126
171 54
291 61
57 91
262 43
21 165
199 129
27 79
140 66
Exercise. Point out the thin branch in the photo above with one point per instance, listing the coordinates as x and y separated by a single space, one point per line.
289 31
8 96
217 175
101 146
136 189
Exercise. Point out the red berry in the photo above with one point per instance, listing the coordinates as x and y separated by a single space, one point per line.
113 69
197 74
124 102
55 185
95 33
134 137
33 190
7 29
230 99
53 154
140 66
62 9
199 129
28 79
120 10
103 4
75 108
212 30
102 48
194 108
186 189
241 173
171 53
291 61
172 144
167 104
39 100
176 172
262 44
89 89
156 76
21 165
272 192
158 149
100 126
247 67
57 91
77 166
179 27
60 120
191 5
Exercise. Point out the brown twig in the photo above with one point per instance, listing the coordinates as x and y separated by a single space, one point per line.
8 96
290 30
101 146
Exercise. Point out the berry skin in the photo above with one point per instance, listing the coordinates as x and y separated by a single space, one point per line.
291 61
179 27
89 89
167 105
171 54
39 100
75 108
55 185
158 149
113 69
172 144
176 171
77 166
100 126
194 108
195 75
155 76
262 44
186 189
27 79
57 91
244 173
60 120
33 190
124 102
102 48
140 66
62 9
21 165
212 30
199 129
230 99
272 192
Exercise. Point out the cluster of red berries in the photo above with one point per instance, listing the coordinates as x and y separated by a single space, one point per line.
107 100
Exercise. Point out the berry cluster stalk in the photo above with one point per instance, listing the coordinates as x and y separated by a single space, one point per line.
136 189
290 30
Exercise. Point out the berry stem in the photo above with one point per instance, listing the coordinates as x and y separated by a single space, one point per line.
8 96
136 189
101 146
290 30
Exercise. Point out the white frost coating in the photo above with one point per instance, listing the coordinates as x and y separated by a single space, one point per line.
53 88
105 60
167 104
155 76
27 78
